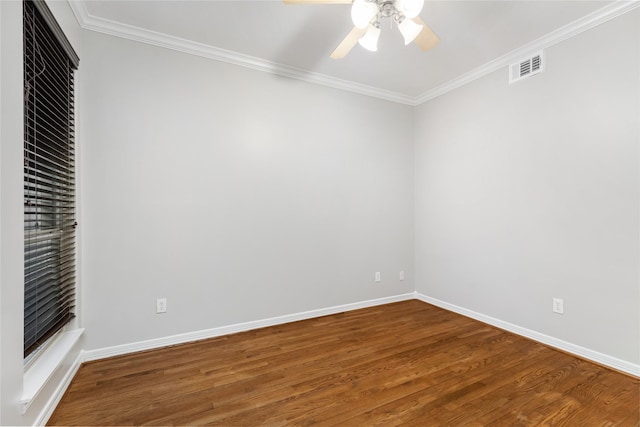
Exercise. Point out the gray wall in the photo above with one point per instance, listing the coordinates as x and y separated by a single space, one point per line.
530 191
236 194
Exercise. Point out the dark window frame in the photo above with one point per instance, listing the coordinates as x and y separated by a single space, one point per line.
49 176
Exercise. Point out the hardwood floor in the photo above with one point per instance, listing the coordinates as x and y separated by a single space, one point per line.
407 363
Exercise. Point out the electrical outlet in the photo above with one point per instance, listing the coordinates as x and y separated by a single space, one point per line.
161 305
401 274
558 305
378 276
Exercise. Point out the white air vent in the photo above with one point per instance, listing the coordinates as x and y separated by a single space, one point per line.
526 67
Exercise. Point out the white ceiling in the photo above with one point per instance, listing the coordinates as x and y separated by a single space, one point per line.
472 33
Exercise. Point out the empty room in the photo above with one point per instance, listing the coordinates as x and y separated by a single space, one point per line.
320 212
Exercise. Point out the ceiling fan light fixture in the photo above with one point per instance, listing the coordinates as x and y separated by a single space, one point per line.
367 16
409 30
362 12
410 8
370 39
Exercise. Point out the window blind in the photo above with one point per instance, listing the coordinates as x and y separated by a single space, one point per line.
49 176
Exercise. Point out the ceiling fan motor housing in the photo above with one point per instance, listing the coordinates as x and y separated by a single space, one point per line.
371 11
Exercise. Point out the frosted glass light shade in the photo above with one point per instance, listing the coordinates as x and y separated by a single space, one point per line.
370 39
410 8
362 12
409 30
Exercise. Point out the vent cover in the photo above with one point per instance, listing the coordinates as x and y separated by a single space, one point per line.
526 67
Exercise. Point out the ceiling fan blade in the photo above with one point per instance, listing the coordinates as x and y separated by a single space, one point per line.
427 39
348 43
317 1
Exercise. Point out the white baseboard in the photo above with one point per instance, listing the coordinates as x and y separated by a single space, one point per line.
118 350
597 357
51 405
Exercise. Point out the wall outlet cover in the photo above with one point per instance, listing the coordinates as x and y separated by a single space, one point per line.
558 305
161 305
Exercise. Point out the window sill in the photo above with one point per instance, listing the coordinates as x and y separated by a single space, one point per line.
42 369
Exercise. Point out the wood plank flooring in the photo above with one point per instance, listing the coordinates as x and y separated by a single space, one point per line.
407 363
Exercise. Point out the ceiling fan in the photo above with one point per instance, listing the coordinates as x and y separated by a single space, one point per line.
366 16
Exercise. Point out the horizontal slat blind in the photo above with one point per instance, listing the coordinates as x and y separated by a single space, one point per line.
49 178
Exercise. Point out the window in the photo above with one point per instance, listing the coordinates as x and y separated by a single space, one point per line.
49 176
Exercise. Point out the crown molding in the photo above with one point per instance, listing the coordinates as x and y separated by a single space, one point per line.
572 29
130 32
105 26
